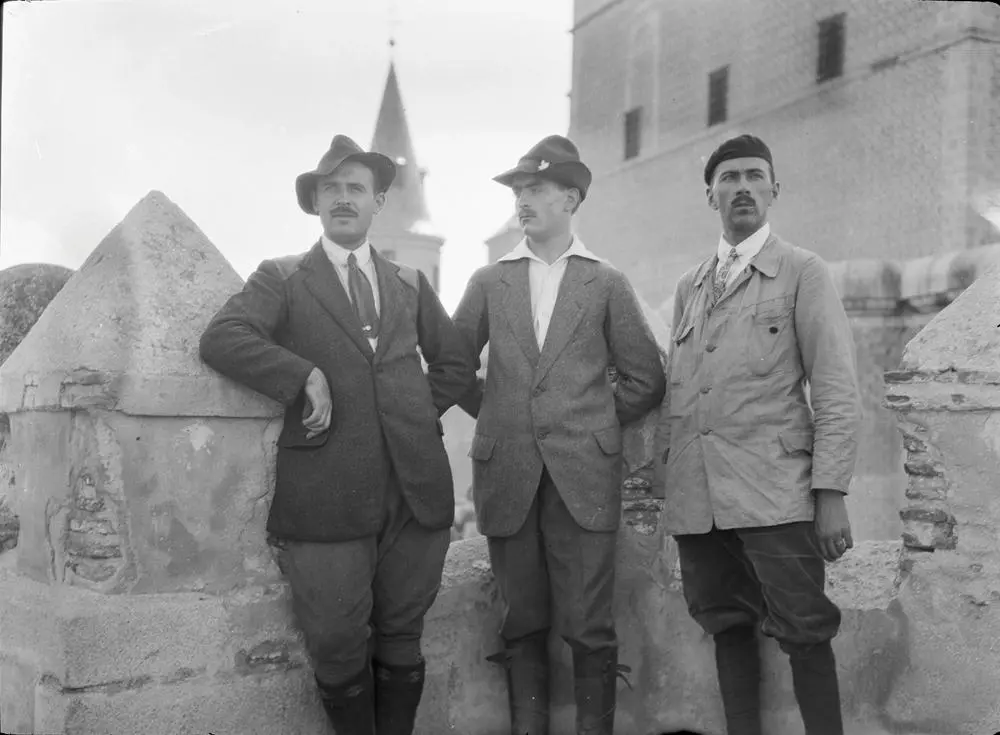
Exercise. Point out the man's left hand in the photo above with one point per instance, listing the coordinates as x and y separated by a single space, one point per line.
833 528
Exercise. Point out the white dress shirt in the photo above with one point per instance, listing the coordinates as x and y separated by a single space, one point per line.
338 256
745 252
544 280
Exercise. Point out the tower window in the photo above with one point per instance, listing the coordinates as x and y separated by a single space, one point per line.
718 96
830 61
633 132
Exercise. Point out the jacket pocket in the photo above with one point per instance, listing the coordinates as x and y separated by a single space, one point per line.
295 438
679 360
482 447
771 341
794 441
609 440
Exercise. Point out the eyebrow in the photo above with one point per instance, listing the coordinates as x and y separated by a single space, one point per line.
742 170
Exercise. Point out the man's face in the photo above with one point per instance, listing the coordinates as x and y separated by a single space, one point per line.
742 191
346 202
543 207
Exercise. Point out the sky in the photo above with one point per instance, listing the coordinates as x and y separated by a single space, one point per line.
220 104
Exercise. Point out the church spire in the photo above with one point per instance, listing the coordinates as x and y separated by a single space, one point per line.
406 207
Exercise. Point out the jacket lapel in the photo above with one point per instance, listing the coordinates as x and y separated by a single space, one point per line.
568 312
391 301
324 284
516 304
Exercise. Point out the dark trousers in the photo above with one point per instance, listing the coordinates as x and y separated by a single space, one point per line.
382 585
773 576
552 572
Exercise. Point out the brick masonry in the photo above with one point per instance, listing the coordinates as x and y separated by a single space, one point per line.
895 159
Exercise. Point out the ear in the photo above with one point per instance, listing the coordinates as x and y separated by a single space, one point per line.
775 189
572 200
313 199
710 196
379 201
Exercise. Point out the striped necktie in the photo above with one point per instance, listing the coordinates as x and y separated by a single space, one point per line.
363 298
722 275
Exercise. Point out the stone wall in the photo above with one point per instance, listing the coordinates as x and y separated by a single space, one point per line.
25 291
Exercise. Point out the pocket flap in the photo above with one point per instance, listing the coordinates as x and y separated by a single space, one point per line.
609 439
796 441
482 447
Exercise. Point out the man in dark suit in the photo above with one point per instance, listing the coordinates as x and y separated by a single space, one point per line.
547 453
363 498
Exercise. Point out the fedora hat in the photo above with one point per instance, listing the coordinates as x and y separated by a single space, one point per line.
555 158
343 149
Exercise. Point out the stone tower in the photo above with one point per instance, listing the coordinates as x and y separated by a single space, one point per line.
402 231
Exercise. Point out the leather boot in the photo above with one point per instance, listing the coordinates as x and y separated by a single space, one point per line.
527 665
814 679
737 659
350 706
595 675
397 696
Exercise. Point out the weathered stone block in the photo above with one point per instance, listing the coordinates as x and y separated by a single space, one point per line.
928 529
283 703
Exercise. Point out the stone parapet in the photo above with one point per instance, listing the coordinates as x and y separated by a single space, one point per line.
946 395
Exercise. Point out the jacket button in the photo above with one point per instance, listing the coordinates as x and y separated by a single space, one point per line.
706 389
706 430
538 391
542 434
710 348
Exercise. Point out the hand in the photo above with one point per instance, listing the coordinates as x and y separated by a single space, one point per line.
319 406
833 528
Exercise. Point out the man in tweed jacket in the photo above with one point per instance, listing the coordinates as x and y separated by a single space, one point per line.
547 453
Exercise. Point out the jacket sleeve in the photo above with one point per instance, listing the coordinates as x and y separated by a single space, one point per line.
449 368
239 341
634 354
473 324
827 348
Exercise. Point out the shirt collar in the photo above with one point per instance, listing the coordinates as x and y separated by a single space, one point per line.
749 247
339 255
576 248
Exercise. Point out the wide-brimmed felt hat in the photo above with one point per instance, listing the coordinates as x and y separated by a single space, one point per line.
343 149
555 158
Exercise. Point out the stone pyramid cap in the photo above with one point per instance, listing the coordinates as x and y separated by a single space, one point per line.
123 333
964 336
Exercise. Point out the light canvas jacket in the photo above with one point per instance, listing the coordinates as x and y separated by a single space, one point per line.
742 441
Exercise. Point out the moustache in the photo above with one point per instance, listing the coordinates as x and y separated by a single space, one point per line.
340 211
744 203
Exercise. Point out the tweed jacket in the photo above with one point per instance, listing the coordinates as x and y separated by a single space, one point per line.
555 407
762 405
294 315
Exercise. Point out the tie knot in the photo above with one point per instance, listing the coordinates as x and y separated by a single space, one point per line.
352 260
733 254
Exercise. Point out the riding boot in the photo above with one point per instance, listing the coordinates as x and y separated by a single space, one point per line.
737 659
526 662
397 696
814 679
595 676
350 705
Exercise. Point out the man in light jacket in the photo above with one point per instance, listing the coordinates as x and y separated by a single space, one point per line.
757 442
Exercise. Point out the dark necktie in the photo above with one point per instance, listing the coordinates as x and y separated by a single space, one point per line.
363 298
